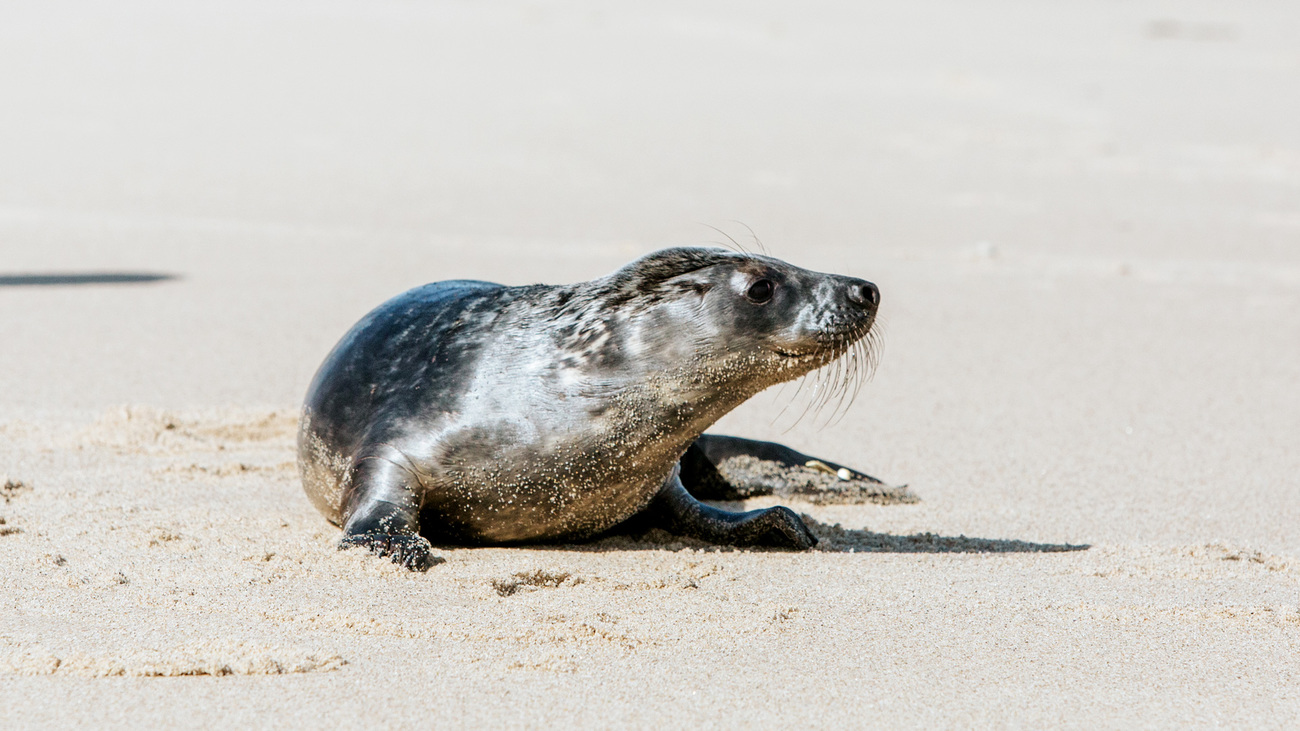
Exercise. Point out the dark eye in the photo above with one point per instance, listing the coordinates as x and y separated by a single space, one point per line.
760 291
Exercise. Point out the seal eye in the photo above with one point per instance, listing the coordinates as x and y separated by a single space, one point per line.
760 291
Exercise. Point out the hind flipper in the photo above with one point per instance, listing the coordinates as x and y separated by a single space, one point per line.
717 448
730 468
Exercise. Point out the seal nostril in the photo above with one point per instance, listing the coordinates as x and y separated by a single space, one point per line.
864 294
871 294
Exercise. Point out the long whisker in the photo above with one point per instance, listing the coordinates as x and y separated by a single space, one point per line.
815 378
832 375
836 385
845 386
862 357
734 242
798 390
862 364
844 378
761 248
856 355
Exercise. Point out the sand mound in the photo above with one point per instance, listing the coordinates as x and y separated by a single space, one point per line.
759 477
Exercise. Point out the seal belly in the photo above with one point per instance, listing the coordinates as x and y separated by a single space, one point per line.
480 512
505 484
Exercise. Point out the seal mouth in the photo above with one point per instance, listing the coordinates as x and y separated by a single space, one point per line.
828 344
828 352
797 356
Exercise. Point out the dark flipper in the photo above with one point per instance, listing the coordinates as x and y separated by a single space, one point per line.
717 449
676 511
700 477
730 468
382 515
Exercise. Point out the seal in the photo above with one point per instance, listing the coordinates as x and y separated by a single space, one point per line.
465 412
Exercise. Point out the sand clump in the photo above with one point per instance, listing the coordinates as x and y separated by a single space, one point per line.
216 658
11 488
533 580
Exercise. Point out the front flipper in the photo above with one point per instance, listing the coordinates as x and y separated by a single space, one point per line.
676 511
382 515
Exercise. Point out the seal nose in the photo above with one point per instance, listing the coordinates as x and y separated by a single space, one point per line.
864 294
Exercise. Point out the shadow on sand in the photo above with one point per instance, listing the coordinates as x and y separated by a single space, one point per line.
81 278
836 539
831 539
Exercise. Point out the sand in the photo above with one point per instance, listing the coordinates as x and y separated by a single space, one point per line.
1084 219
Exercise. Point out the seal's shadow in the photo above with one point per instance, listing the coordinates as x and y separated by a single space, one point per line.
82 278
832 538
836 539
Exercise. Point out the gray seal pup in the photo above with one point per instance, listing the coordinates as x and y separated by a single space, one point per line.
479 414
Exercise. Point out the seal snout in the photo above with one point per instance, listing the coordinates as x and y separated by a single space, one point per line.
863 293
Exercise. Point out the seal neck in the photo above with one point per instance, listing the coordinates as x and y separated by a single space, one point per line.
683 402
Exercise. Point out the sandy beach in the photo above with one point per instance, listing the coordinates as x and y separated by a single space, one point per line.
1084 220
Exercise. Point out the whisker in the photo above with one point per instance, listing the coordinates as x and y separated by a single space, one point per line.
832 374
850 374
863 360
838 383
815 378
862 366
761 248
840 380
794 398
850 377
835 377
734 242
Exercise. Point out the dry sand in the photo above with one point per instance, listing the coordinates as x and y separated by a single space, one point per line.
1084 218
